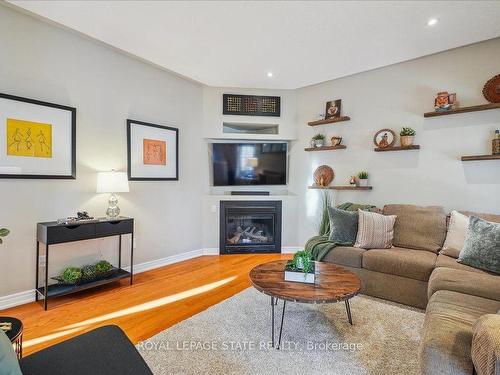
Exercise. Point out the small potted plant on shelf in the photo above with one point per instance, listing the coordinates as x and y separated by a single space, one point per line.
301 268
3 233
319 140
363 178
406 136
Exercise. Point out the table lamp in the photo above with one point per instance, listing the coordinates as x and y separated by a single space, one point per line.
112 182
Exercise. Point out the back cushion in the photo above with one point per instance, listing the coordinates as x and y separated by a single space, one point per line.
487 217
421 228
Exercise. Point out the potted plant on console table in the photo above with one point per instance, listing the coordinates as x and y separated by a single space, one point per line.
301 268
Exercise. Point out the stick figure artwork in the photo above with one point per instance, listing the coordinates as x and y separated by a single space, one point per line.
28 138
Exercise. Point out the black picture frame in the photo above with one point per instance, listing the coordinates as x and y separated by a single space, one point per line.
130 123
71 176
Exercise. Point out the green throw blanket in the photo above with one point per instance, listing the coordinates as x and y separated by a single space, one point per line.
320 246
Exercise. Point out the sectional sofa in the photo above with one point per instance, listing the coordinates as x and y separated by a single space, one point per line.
415 273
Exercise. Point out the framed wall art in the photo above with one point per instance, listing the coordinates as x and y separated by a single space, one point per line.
333 108
37 139
152 151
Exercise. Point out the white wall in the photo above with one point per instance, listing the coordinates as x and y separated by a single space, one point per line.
44 62
399 95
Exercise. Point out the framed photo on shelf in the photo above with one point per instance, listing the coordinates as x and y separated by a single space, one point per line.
37 139
152 152
333 108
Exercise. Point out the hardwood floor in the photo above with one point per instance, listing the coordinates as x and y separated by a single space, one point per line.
158 299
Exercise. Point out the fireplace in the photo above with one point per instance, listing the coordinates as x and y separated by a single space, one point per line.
250 227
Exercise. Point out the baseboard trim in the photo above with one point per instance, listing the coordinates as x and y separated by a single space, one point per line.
28 296
17 299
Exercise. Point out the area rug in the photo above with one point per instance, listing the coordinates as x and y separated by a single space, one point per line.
234 337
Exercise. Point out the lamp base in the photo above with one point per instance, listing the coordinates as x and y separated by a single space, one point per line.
113 210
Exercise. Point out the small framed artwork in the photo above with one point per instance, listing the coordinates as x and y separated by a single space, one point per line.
152 151
37 139
384 138
333 108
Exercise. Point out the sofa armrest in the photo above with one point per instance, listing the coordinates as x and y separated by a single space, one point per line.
472 283
105 350
486 345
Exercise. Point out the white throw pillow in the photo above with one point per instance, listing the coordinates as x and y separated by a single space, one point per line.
455 237
375 231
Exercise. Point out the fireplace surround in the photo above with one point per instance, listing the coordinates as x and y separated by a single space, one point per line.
250 227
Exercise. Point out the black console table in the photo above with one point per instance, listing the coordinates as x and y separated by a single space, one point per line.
51 233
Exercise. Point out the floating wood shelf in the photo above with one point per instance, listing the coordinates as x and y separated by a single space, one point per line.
345 187
326 148
481 157
328 121
397 148
474 108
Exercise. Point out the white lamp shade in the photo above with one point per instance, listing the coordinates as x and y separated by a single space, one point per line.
112 182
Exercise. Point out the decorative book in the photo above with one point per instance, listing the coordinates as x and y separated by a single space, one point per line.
298 275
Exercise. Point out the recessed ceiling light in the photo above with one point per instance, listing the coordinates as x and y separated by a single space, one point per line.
269 74
432 22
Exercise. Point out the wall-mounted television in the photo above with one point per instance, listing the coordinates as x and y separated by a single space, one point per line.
238 164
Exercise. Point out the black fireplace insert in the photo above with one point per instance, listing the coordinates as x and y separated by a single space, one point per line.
250 227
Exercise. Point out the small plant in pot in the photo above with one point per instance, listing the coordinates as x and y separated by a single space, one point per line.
301 268
319 140
363 178
406 136
302 260
4 232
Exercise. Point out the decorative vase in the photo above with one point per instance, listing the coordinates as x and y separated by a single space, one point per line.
406 140
312 143
319 142
363 182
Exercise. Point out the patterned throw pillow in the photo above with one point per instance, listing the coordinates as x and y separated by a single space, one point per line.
482 245
343 226
375 231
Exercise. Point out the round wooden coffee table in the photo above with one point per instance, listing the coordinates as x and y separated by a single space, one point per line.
333 284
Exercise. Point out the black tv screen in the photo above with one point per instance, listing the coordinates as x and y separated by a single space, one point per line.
249 164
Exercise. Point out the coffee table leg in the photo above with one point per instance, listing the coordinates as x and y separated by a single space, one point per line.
281 327
272 321
348 309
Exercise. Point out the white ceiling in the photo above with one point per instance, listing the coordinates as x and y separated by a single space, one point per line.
223 43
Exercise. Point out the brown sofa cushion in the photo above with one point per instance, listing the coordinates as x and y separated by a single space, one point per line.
414 264
445 347
449 262
418 227
488 217
345 256
472 283
486 345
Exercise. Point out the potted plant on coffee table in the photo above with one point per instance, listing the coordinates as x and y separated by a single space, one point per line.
363 178
406 136
301 268
319 140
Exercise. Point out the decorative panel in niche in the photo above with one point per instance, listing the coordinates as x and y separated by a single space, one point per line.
251 105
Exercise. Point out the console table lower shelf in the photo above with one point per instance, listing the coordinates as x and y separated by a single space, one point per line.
51 233
57 290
